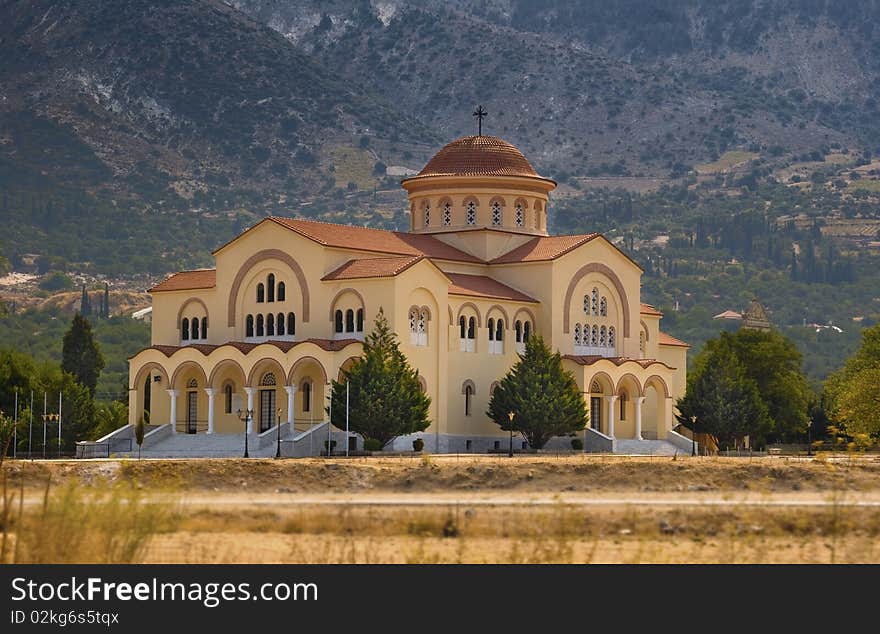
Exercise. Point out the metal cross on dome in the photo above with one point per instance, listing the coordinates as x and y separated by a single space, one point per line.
479 113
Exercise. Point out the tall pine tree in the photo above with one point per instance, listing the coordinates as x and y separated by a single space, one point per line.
85 305
80 355
385 398
544 398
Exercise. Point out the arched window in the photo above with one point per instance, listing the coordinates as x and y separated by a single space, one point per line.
359 326
270 288
520 216
499 330
249 326
270 325
268 380
227 394
260 331
338 320
349 320
470 214
193 384
472 328
204 327
261 293
462 327
611 337
413 317
594 302
594 336
527 331
427 211
603 307
184 329
280 326
603 336
491 326
622 400
447 214
282 292
496 214
468 394
422 325
537 215
194 327
291 324
577 334
517 329
307 396
641 343
587 304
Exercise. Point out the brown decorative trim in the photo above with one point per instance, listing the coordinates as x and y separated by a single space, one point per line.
467 382
427 310
596 376
503 312
220 365
180 368
476 310
250 378
530 314
586 269
662 382
139 378
639 390
618 361
340 294
191 300
647 332
256 258
303 360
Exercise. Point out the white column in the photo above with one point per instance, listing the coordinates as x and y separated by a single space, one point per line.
291 390
250 406
639 401
172 417
210 392
611 401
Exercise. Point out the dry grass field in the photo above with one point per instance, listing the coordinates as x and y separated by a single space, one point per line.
446 509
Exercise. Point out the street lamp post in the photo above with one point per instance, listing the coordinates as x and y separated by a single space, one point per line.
245 417
809 437
693 435
278 447
510 416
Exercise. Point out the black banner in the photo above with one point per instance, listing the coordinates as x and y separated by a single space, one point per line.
129 598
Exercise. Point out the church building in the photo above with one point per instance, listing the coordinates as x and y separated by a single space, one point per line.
288 302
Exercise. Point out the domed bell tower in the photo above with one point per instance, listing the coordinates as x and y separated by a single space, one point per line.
481 185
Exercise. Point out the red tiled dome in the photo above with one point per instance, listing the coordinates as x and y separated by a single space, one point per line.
479 156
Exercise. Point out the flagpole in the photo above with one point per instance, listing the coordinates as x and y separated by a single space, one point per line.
59 423
329 420
346 419
31 428
45 404
15 426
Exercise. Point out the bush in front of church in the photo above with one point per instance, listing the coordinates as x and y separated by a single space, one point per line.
544 398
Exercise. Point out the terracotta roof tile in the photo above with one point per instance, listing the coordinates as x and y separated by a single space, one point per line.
669 340
618 361
186 280
544 248
372 267
482 286
379 240
647 309
478 156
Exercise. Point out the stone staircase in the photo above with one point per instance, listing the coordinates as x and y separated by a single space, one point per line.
646 447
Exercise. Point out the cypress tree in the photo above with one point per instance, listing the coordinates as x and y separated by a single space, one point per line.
85 305
80 355
544 397
106 307
385 398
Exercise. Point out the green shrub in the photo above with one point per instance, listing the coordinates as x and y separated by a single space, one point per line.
577 444
371 444
418 444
